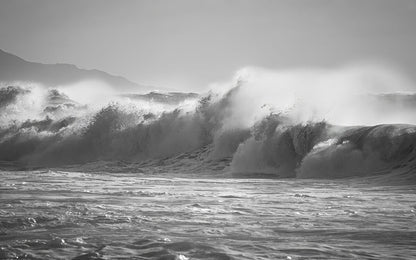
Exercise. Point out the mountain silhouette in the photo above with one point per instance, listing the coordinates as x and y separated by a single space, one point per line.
14 68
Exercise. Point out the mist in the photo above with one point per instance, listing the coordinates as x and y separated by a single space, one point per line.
350 95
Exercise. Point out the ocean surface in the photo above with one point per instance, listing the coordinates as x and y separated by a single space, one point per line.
265 169
76 215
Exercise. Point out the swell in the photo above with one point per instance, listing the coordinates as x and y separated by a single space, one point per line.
56 131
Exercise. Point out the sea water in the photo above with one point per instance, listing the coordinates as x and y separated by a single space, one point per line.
75 215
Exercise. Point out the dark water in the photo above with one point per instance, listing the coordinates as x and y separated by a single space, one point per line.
60 215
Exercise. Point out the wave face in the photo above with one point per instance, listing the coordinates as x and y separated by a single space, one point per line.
253 129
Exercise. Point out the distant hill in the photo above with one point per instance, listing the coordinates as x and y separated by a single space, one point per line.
14 68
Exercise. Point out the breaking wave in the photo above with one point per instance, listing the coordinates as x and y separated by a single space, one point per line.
266 124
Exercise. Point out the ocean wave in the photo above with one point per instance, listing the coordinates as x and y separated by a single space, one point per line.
217 134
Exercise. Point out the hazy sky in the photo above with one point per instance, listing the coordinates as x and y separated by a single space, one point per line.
190 43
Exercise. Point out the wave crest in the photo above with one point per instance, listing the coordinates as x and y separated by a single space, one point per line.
218 133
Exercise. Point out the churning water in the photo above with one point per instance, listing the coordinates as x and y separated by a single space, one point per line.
178 176
71 215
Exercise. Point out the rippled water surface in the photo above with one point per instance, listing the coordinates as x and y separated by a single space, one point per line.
60 215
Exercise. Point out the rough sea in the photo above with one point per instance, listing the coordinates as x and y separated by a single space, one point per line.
272 168
75 215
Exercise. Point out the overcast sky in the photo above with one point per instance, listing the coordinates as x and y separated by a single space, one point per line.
186 44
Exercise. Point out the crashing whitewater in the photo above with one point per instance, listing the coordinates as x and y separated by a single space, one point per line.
304 124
